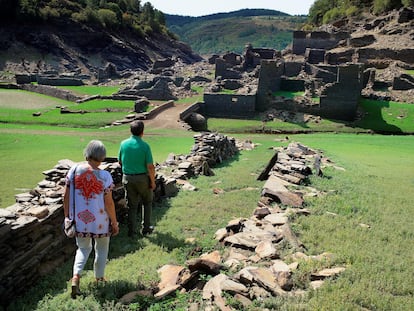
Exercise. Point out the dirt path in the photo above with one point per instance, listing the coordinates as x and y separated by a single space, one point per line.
168 119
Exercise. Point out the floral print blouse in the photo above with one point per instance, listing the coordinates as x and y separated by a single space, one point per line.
90 213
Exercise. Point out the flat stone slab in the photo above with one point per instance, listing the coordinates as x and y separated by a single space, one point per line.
277 219
248 239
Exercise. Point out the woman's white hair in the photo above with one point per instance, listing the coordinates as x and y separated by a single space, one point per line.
95 150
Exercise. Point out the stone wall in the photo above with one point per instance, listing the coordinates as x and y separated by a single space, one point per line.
325 73
50 91
253 56
292 85
340 100
225 69
340 57
315 56
292 69
53 80
339 96
316 40
32 243
270 75
59 81
189 110
367 55
228 105
403 82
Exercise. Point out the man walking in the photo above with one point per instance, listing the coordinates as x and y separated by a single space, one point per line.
135 158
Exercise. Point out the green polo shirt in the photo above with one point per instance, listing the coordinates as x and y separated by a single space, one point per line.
134 154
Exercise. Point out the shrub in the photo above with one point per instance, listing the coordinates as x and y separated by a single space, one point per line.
247 32
407 3
148 30
332 15
352 11
88 15
114 8
47 13
107 18
381 6
138 30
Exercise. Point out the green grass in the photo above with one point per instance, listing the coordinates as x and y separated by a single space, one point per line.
287 94
34 149
96 113
374 189
92 89
378 260
387 116
248 126
378 116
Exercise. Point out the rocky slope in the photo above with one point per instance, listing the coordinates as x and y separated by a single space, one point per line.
386 43
70 48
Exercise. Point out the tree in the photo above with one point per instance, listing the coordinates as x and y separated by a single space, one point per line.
148 12
318 10
107 18
408 3
29 8
159 17
381 6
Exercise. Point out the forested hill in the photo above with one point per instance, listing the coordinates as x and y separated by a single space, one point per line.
84 36
222 32
179 20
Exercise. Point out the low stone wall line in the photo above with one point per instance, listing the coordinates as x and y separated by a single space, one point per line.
32 243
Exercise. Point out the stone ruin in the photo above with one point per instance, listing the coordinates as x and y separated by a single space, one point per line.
32 242
336 64
261 253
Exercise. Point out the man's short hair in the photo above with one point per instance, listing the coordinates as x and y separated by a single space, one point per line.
137 128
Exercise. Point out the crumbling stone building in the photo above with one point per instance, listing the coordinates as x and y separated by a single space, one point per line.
339 89
338 86
333 66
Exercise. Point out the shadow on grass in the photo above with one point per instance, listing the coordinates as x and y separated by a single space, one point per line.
55 283
373 118
111 291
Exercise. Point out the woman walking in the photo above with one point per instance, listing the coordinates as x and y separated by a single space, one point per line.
88 200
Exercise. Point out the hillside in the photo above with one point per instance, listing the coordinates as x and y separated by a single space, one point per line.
82 38
222 32
76 48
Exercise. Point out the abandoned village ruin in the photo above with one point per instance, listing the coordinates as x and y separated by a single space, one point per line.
332 64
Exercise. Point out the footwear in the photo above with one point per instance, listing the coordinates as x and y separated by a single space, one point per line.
100 281
75 287
148 230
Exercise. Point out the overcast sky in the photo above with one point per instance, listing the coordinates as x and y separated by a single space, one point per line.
206 7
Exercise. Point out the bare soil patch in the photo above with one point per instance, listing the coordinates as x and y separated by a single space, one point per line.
24 100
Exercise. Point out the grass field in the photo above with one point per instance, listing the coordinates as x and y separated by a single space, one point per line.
374 189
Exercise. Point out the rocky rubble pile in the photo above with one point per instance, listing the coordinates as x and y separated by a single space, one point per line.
261 253
209 150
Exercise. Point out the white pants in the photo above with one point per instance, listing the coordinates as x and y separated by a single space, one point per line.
83 252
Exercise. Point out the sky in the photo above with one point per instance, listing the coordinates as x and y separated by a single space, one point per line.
207 7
